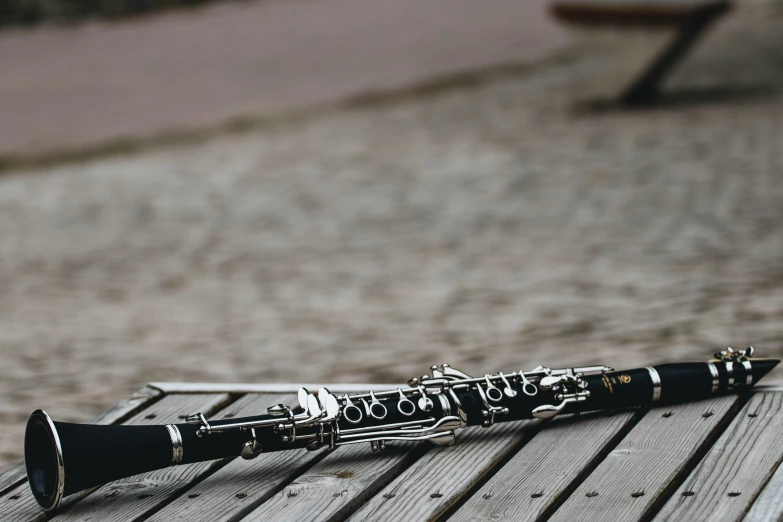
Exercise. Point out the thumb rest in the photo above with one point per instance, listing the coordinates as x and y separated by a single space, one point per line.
324 419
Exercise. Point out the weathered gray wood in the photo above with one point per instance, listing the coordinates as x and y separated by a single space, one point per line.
337 485
443 476
547 468
727 481
128 407
112 415
12 478
130 498
768 506
241 485
642 470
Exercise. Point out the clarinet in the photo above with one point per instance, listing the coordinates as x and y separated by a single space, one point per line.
64 458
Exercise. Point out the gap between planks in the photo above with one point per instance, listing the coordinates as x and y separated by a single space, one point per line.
433 485
769 504
650 462
533 483
727 482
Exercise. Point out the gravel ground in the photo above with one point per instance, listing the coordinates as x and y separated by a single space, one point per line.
492 227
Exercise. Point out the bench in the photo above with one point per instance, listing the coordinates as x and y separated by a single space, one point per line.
711 460
645 39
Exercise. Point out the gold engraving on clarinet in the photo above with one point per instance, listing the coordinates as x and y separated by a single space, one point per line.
625 378
607 383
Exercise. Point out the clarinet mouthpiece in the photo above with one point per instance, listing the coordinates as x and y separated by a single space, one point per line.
761 367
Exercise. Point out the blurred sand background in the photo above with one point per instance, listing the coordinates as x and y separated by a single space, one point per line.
480 219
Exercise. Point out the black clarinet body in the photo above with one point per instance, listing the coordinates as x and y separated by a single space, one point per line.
65 458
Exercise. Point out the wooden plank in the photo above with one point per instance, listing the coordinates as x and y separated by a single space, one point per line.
443 476
547 469
12 478
724 485
128 407
640 473
133 497
19 504
112 415
769 504
243 388
338 484
240 486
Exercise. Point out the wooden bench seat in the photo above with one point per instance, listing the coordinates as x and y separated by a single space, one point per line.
711 460
647 38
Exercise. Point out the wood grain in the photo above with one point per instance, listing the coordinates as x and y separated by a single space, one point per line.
338 484
240 486
443 476
547 468
768 506
641 471
129 406
133 497
114 414
727 481
12 478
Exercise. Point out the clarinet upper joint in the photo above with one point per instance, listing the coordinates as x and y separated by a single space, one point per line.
407 414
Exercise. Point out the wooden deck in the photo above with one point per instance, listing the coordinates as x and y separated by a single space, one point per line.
712 460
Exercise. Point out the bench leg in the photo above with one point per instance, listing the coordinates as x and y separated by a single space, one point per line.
645 88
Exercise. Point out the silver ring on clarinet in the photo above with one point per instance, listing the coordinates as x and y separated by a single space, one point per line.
176 444
656 382
715 377
748 373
